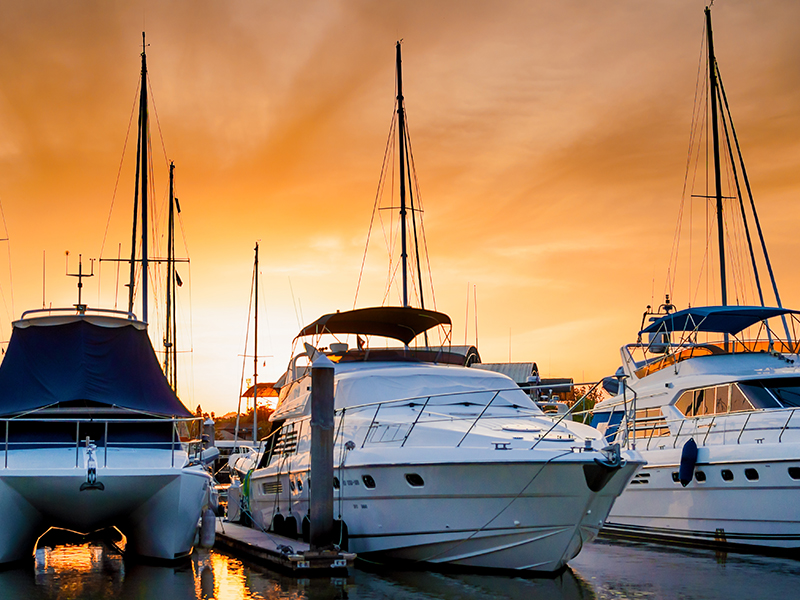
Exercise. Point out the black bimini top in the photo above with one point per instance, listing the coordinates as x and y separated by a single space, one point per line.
395 322
75 360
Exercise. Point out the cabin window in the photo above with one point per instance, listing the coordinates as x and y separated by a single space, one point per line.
369 482
717 400
700 476
794 472
727 475
685 403
739 402
336 484
758 395
777 393
751 474
299 485
414 480
720 398
675 477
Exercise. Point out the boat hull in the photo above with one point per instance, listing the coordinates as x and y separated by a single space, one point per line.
756 506
157 509
522 516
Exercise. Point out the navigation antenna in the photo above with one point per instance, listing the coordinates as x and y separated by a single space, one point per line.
80 275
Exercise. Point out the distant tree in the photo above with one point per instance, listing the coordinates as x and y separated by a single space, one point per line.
593 396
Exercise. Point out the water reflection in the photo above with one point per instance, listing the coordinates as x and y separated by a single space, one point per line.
603 571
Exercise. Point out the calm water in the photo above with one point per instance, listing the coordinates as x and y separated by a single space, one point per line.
604 570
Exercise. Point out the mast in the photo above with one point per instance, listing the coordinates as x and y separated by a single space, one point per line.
170 332
255 352
712 76
141 182
401 133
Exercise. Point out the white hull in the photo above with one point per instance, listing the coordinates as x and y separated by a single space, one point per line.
741 512
157 508
488 514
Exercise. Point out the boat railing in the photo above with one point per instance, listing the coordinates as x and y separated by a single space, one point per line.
759 426
81 310
678 352
180 447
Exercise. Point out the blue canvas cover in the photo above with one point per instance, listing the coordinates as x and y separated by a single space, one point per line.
82 361
716 319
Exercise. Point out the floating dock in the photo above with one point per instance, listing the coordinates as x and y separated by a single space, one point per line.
285 553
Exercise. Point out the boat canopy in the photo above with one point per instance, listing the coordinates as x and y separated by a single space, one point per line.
716 319
395 322
47 364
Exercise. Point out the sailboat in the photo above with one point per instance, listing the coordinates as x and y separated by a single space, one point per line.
710 396
92 430
434 462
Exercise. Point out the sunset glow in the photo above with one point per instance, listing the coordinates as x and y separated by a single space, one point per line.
550 142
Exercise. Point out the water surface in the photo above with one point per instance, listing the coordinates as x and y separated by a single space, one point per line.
603 571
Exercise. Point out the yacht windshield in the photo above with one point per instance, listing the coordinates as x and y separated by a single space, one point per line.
774 393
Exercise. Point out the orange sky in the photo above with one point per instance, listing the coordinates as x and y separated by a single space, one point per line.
550 142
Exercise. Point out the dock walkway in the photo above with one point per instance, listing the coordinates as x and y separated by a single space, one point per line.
285 553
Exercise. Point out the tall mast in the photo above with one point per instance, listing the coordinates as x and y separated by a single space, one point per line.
170 348
712 76
255 352
141 183
401 133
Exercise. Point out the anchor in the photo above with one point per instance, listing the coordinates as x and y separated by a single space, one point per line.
91 482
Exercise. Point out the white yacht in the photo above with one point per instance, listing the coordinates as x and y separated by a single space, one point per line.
710 395
433 461
718 422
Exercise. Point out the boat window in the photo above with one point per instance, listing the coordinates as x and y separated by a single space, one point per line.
727 475
685 403
721 393
369 482
751 474
794 472
785 389
700 476
414 480
739 402
336 484
675 477
759 397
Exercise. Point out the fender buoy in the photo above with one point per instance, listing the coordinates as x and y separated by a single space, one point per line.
688 461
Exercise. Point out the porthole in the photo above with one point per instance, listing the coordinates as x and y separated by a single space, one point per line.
369 482
751 474
700 476
675 477
299 485
291 484
336 484
794 472
727 474
414 480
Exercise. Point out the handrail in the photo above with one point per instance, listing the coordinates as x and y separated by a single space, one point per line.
34 444
785 425
410 429
77 312
475 422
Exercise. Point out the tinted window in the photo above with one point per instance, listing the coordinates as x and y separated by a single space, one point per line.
751 474
759 397
739 402
727 474
794 472
700 476
369 482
